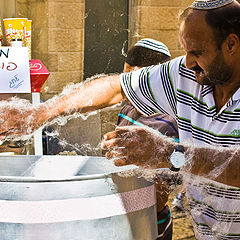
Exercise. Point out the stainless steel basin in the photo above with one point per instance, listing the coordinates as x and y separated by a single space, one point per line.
94 203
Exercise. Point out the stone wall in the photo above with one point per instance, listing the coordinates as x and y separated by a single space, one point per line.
7 8
157 19
57 39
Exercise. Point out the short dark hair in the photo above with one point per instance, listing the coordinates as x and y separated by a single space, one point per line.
223 21
142 57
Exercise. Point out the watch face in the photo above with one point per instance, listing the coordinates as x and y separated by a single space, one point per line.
177 159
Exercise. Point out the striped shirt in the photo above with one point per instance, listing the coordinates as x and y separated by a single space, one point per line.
172 88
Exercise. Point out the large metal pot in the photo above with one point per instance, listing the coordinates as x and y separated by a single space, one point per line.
95 204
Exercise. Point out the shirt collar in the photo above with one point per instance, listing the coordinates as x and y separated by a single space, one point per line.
236 95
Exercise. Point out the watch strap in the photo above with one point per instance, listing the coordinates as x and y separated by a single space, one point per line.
174 169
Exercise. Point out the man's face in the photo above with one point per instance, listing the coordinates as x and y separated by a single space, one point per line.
203 56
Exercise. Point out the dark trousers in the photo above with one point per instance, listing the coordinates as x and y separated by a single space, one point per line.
165 226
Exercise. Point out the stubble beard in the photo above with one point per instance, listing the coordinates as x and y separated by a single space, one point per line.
219 73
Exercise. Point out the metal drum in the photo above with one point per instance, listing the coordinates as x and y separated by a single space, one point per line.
91 202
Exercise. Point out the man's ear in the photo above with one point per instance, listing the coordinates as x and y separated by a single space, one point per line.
233 43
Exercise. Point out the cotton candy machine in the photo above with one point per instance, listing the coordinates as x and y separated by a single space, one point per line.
89 201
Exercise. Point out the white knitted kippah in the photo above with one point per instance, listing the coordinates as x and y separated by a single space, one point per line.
209 4
153 45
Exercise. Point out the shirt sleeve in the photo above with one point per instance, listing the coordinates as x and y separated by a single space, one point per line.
153 89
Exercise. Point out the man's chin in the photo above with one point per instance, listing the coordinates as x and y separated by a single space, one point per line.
201 80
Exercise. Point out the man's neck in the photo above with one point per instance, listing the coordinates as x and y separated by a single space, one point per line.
222 94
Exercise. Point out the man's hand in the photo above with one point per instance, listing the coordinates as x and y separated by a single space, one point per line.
16 119
138 145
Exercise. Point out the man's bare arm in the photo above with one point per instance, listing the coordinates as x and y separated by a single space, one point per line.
93 95
96 94
217 163
146 148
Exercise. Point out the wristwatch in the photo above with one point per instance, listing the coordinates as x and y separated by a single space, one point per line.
177 158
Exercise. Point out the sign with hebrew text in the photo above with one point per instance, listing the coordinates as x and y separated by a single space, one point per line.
14 70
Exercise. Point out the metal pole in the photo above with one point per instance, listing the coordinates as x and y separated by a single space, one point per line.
38 144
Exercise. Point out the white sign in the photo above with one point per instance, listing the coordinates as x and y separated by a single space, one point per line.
14 70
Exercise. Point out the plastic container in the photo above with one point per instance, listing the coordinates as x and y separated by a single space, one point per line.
15 28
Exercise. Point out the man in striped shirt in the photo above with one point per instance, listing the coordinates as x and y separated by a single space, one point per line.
201 90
